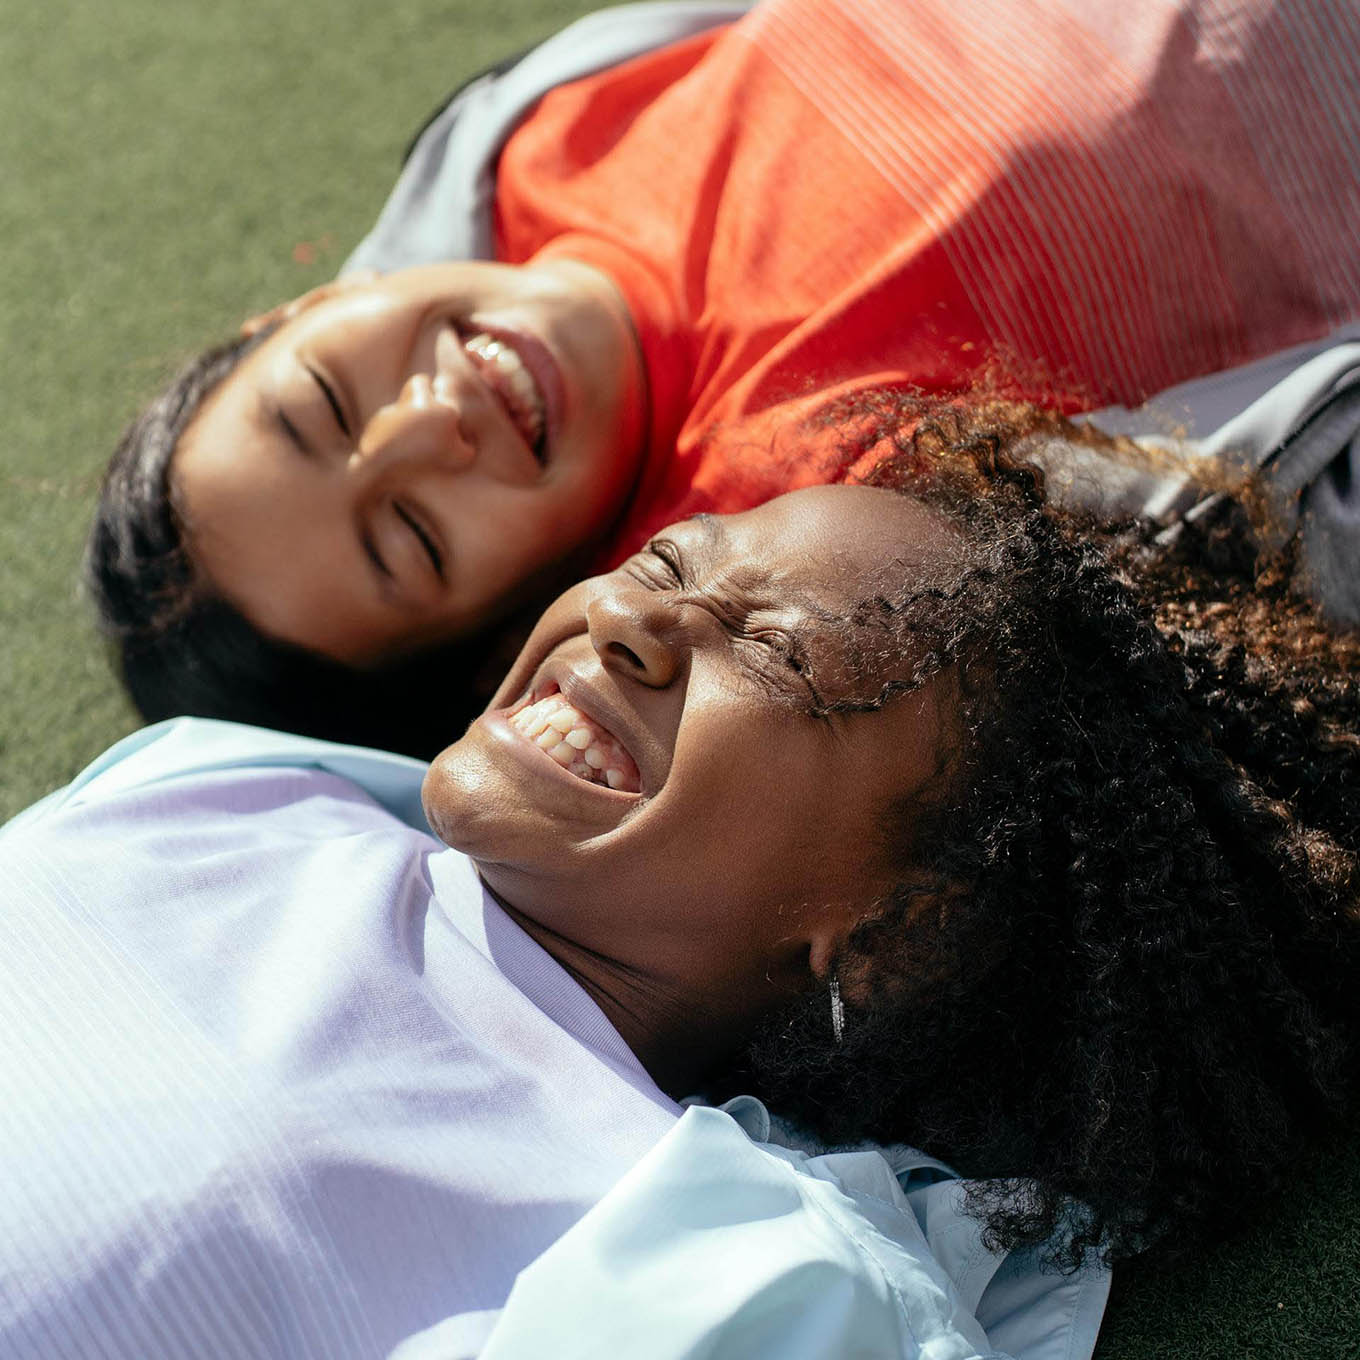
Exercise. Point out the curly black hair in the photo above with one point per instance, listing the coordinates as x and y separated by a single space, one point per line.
1119 990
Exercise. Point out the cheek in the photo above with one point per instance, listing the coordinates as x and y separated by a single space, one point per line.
749 825
557 524
536 531
579 508
802 828
501 550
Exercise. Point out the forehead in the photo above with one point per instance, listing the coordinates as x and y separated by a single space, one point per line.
837 540
231 412
230 463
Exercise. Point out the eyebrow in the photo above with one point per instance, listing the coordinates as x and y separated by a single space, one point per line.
713 529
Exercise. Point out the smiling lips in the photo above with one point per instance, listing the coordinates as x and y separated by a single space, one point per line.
577 743
500 366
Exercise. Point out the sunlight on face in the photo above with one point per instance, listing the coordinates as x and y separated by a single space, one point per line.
742 831
398 462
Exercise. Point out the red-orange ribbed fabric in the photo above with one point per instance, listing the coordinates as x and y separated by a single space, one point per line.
1095 201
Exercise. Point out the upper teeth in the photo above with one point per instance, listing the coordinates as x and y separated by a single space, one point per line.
513 381
577 743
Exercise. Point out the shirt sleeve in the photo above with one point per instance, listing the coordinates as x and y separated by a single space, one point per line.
719 1247
186 746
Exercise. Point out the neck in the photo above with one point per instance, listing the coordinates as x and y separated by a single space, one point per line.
677 1039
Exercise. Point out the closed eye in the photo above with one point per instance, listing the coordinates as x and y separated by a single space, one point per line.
782 645
374 556
776 641
771 656
426 540
780 663
668 555
657 566
332 401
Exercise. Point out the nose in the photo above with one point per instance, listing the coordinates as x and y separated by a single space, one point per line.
421 427
638 633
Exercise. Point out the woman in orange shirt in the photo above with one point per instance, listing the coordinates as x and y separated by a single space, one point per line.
693 249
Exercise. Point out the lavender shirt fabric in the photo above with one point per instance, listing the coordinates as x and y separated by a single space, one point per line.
279 1077
281 1080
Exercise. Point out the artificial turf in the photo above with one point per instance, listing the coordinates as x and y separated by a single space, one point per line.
170 168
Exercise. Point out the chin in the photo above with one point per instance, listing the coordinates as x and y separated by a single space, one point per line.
475 806
456 797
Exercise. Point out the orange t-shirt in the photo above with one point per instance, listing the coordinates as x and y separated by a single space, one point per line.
831 193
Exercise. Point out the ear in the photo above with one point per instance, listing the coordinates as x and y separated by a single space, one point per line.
822 949
926 915
286 311
827 932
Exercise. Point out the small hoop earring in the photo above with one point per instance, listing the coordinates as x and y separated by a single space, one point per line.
837 1010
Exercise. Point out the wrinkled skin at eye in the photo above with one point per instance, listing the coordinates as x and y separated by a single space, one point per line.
752 844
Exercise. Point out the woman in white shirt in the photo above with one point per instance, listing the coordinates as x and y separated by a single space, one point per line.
940 816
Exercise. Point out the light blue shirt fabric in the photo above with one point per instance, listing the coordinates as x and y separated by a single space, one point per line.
722 1245
281 1079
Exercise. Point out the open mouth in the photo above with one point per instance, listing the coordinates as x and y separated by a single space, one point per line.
504 371
577 743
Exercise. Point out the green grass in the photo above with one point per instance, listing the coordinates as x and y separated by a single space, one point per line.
160 164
